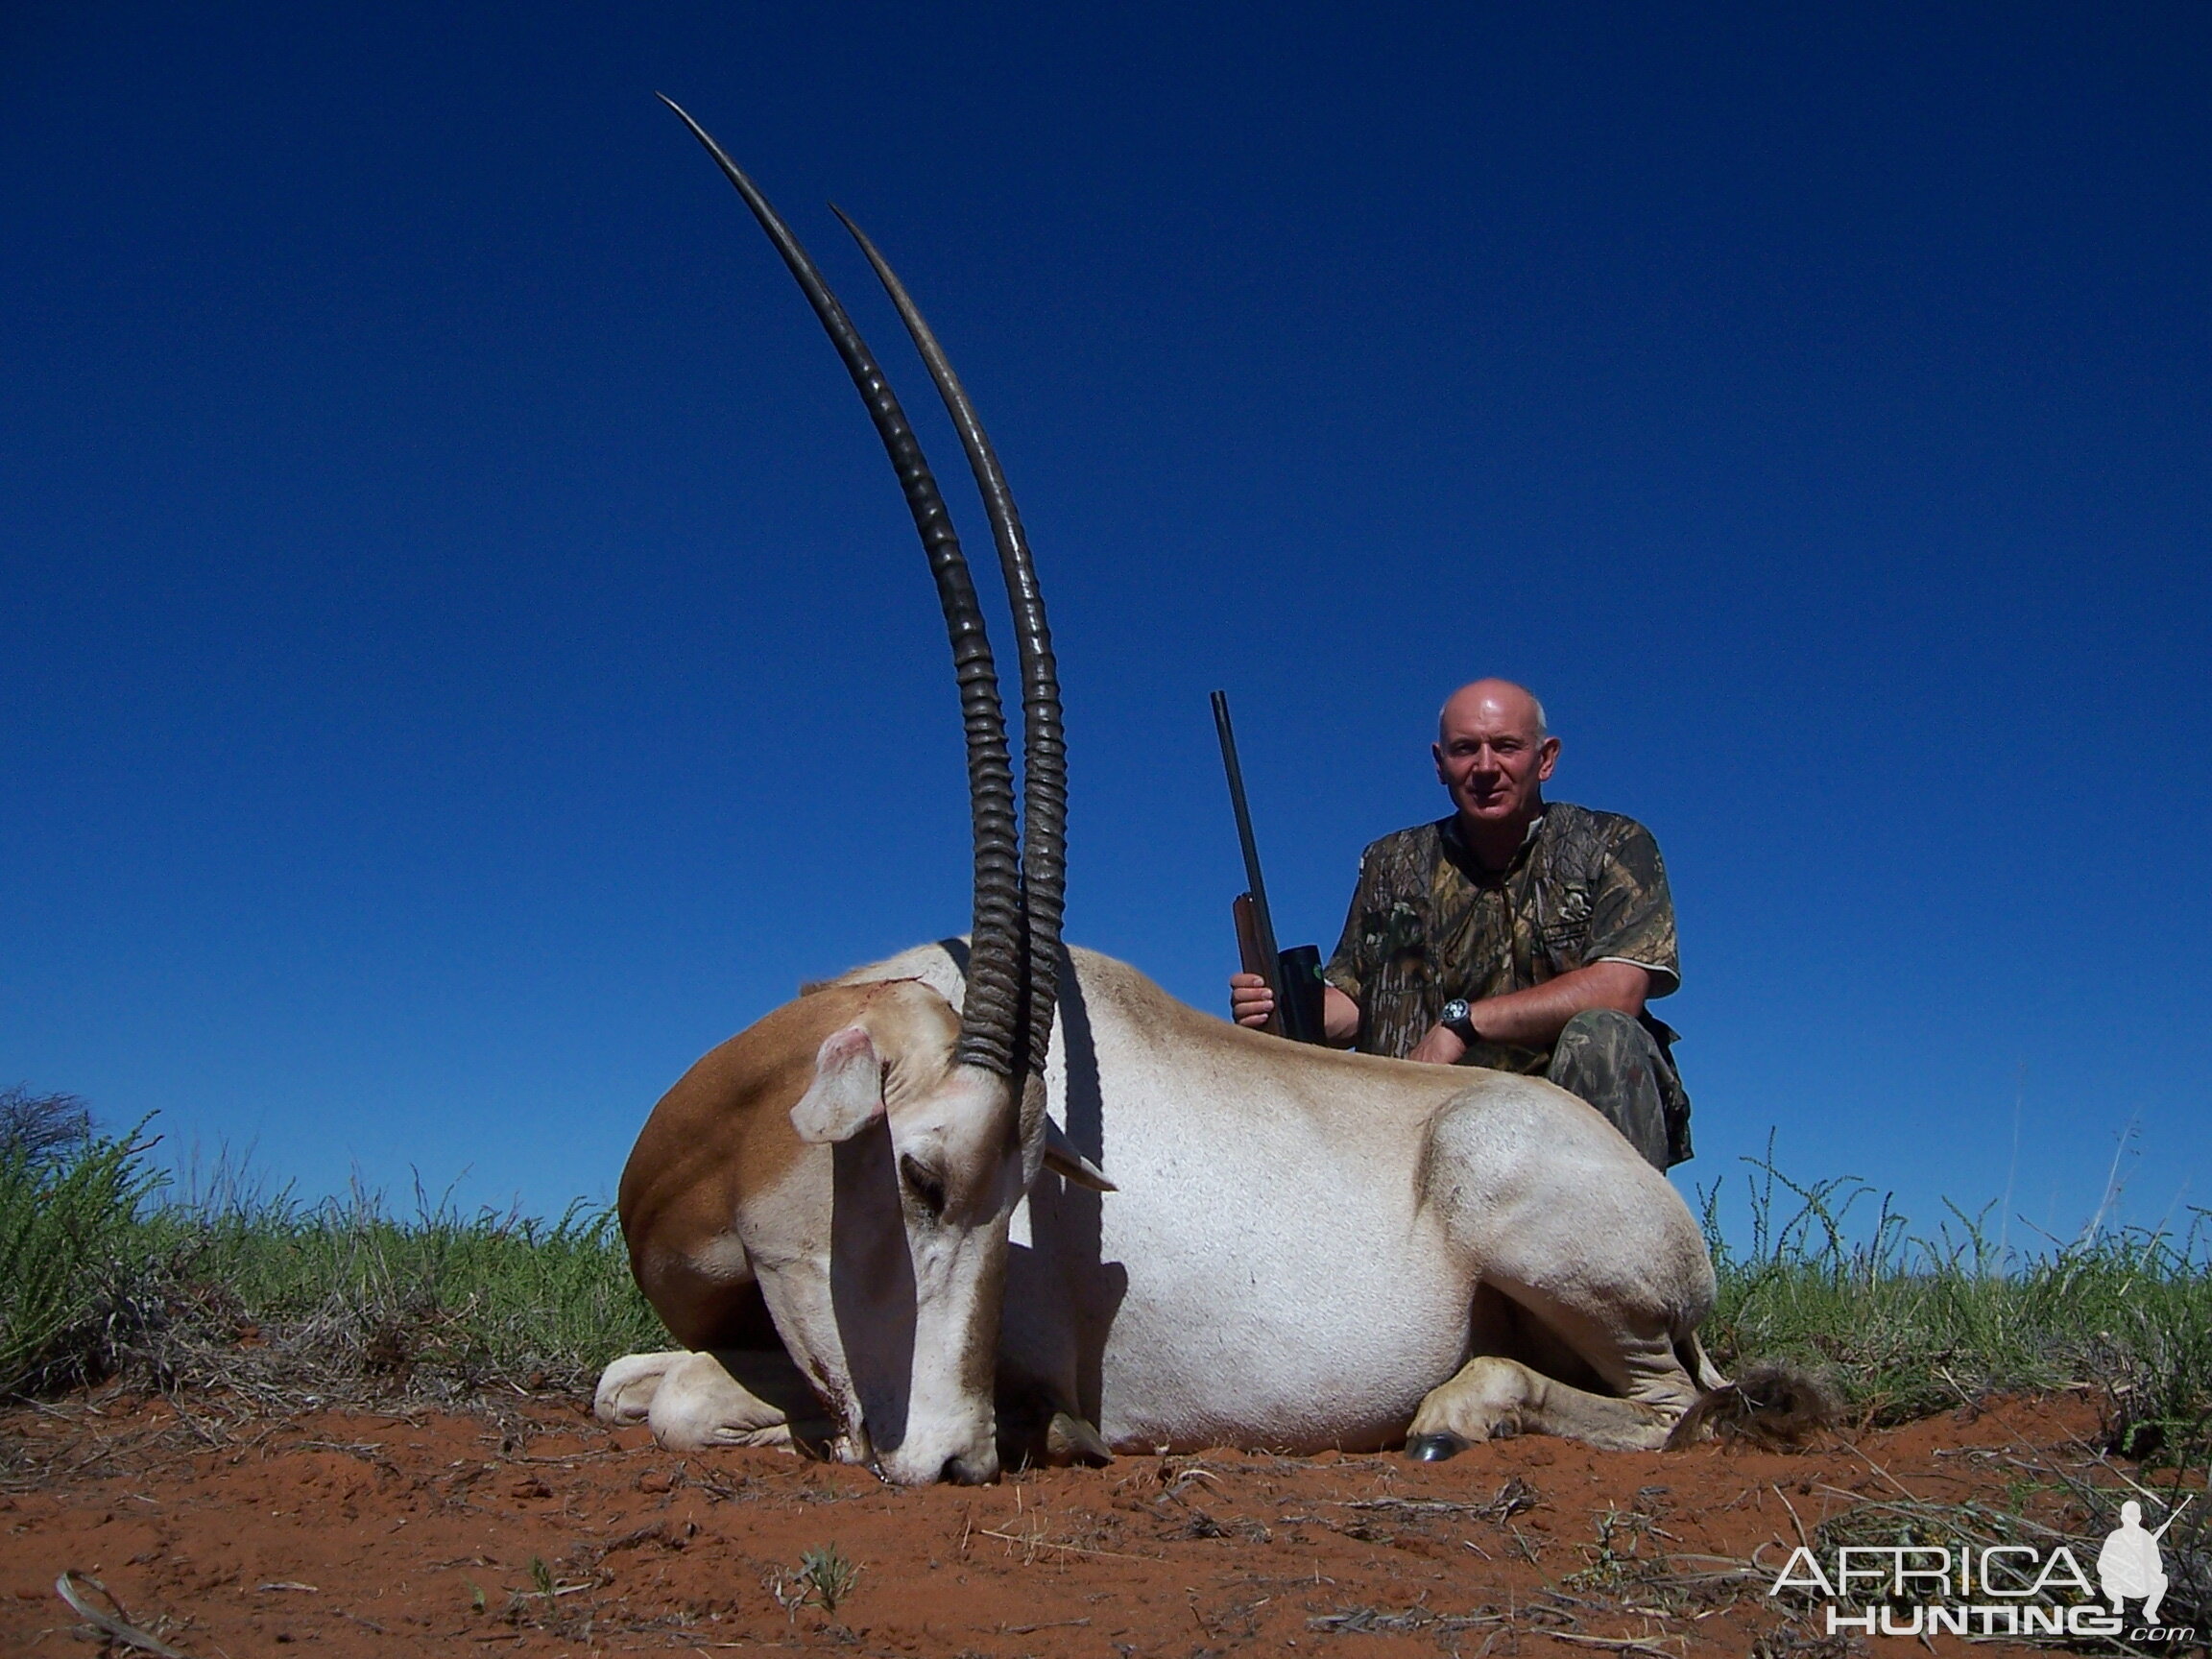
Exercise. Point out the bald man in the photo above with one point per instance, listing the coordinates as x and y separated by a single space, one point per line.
1516 933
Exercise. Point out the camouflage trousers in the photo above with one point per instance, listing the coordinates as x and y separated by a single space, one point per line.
1618 1066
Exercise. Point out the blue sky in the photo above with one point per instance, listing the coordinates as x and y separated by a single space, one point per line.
466 654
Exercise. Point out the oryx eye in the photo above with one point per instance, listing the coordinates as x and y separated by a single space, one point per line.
926 1184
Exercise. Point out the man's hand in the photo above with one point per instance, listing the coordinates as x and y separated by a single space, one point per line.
1250 1002
1440 1047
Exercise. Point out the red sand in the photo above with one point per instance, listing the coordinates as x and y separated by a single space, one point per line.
368 1534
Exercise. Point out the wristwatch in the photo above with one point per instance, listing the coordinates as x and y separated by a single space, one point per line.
1455 1018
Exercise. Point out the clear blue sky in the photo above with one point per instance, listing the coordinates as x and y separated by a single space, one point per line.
466 655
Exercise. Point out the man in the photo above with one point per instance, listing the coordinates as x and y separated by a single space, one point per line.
1516 934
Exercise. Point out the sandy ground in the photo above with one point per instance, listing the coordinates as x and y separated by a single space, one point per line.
533 1528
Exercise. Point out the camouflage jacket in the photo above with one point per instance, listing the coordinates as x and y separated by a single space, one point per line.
1429 924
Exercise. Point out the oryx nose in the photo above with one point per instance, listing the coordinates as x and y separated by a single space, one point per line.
965 1471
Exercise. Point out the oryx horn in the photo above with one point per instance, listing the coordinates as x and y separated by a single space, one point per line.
994 1001
1044 740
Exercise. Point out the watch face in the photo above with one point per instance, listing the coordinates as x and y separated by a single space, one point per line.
1454 1011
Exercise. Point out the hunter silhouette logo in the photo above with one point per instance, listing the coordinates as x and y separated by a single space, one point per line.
2128 1566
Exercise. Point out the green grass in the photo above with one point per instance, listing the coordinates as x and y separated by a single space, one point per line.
102 1272
828 1575
68 1222
437 1300
1906 1325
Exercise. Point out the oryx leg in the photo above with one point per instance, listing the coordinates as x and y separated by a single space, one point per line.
1621 1347
1603 1265
626 1387
716 1399
736 1388
1493 1396
691 1399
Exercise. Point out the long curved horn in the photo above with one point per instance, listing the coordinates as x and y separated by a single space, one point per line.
994 999
1044 740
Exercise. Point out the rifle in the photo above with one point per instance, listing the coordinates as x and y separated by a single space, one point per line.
2176 1516
1293 976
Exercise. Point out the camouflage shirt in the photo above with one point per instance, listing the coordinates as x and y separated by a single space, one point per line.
1429 924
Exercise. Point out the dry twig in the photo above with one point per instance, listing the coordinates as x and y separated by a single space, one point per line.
116 1624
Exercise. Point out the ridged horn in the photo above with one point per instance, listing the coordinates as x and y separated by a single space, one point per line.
993 1006
1044 739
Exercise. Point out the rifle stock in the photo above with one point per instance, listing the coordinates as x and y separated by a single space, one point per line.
1254 956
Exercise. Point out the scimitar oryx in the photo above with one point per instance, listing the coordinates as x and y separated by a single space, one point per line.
875 1219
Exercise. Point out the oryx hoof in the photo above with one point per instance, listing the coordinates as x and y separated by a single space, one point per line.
1435 1448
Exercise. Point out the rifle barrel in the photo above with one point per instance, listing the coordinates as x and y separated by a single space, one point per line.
1264 921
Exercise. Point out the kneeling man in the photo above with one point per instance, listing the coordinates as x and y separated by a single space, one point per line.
1517 934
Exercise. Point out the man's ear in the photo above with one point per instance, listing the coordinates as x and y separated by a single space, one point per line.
847 1093
1547 757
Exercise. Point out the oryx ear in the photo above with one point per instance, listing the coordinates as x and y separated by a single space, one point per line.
1062 1157
847 1093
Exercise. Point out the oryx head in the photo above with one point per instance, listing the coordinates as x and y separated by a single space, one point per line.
887 1293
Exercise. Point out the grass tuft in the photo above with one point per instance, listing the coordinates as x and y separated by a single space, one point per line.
69 1223
828 1575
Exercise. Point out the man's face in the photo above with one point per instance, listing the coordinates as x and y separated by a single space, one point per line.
1490 758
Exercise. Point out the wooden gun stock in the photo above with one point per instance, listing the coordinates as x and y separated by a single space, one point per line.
1253 957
